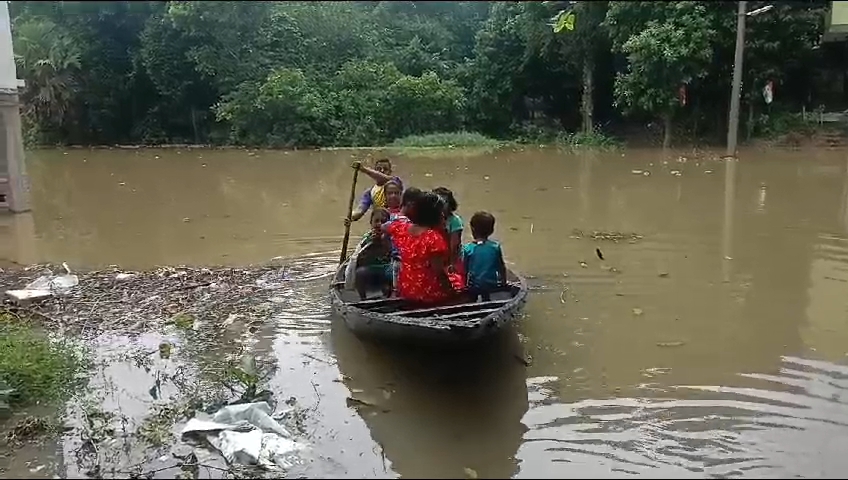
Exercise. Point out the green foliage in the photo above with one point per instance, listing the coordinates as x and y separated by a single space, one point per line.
450 139
779 123
667 44
529 133
48 59
361 104
564 21
285 111
293 74
33 368
497 68
6 393
593 140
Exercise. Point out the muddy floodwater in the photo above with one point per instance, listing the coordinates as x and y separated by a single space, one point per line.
710 339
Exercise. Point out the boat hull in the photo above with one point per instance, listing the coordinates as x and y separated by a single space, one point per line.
448 326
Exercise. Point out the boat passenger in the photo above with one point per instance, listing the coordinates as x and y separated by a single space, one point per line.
423 251
453 230
374 257
394 192
376 195
407 199
410 195
483 259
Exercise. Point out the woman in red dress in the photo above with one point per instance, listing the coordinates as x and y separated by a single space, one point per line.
423 251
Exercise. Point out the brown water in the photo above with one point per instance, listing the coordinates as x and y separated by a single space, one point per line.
715 345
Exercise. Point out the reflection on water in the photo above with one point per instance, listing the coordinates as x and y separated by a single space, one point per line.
711 346
795 424
438 414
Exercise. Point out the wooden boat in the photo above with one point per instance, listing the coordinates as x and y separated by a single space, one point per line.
399 321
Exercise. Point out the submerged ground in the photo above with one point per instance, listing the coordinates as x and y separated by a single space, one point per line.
709 341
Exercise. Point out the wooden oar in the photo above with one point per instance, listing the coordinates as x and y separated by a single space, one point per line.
346 239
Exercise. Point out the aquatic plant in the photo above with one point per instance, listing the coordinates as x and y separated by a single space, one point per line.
35 368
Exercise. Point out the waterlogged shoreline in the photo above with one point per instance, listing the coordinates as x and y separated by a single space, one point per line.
826 138
149 377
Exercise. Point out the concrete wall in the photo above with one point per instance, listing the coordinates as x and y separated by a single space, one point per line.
839 14
8 76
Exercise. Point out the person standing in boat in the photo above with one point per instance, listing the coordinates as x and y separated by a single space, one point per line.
394 197
376 195
423 252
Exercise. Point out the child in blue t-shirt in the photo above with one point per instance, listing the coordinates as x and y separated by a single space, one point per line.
483 258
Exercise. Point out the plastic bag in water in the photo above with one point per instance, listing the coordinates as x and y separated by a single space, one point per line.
55 283
266 443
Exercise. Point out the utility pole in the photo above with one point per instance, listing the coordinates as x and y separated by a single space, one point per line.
12 167
733 123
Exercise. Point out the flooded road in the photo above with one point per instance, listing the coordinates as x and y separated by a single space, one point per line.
712 342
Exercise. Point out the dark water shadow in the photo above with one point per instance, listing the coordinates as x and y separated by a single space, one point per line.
437 414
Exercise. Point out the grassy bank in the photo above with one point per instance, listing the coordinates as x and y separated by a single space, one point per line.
35 369
775 128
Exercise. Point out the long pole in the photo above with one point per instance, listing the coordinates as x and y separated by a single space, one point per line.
727 224
733 123
346 239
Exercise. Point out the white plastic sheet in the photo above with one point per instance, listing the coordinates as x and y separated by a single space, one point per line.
60 284
247 434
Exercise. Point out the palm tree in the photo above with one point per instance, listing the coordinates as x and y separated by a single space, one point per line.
47 59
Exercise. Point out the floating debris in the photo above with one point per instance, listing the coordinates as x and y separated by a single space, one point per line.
670 344
608 236
165 350
524 360
128 302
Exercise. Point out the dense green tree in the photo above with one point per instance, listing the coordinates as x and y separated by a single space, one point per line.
668 45
49 61
301 73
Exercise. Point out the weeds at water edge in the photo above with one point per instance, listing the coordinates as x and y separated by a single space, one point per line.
595 140
35 369
448 139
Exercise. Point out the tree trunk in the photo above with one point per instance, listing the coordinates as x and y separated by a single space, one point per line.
695 131
194 126
750 124
588 89
667 134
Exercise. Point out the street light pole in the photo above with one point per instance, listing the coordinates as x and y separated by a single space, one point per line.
733 123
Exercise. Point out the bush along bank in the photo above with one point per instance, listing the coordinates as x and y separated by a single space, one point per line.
285 75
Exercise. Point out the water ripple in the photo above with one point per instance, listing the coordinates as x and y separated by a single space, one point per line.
300 302
722 431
